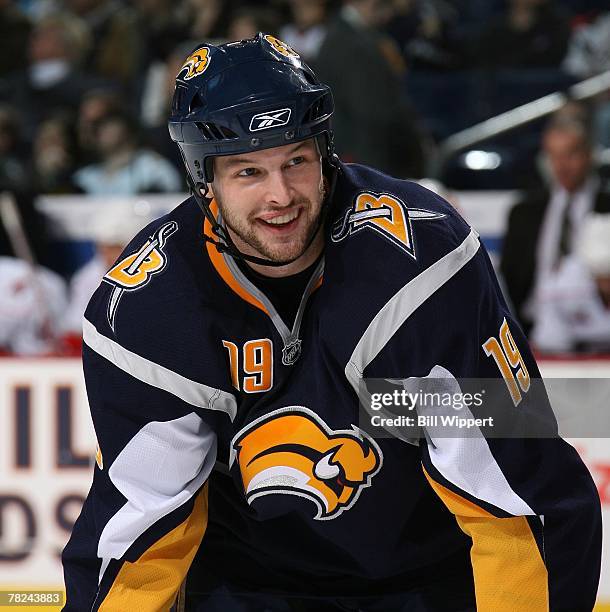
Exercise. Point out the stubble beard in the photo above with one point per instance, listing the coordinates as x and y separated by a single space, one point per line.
249 234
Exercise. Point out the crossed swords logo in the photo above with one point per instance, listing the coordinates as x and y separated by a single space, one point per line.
354 221
157 241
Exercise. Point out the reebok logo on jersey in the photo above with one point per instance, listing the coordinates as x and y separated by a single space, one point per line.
264 121
195 64
385 214
292 451
135 270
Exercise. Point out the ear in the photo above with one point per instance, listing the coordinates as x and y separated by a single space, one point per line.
210 193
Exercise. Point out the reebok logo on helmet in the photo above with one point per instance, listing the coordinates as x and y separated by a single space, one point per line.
271 119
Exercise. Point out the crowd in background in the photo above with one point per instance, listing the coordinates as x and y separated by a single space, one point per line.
85 88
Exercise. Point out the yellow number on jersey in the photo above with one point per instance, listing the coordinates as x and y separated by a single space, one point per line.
257 364
509 362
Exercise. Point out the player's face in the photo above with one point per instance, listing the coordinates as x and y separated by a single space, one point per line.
270 200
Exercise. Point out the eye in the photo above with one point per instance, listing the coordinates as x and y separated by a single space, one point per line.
295 161
247 172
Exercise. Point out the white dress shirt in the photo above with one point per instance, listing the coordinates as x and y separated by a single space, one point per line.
570 311
547 252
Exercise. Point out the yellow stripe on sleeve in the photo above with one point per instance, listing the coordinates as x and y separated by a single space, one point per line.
509 572
152 582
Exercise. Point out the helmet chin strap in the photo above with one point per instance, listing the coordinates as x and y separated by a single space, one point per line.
226 245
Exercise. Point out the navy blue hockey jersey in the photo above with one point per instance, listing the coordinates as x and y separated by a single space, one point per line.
229 439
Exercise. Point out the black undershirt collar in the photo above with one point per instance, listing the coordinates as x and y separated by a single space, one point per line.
284 292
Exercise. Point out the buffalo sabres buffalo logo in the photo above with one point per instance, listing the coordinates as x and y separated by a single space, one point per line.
291 451
135 270
280 46
385 214
196 63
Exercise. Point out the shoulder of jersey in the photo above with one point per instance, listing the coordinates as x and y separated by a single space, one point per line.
156 283
389 223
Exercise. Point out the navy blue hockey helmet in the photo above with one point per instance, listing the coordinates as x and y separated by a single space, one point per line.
245 96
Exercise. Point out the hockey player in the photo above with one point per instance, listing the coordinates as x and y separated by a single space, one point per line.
223 357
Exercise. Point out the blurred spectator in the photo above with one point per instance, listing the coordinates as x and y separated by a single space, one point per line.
246 22
125 169
112 231
96 104
162 25
307 29
545 225
589 50
14 32
423 30
37 9
374 123
532 34
573 311
588 55
13 175
53 157
208 19
16 183
116 47
156 103
32 302
53 81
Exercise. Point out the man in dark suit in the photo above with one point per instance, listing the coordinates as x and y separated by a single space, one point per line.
374 122
544 226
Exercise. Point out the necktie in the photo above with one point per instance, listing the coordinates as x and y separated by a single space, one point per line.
565 236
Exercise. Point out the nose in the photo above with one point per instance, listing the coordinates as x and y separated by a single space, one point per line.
279 191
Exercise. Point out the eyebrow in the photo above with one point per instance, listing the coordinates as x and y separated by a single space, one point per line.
236 161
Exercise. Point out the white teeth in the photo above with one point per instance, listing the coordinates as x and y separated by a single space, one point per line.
283 219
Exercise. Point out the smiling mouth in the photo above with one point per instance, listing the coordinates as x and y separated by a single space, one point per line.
282 221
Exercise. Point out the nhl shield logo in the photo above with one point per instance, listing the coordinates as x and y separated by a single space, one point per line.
271 119
291 352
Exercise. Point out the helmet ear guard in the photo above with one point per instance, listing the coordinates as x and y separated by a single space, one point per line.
241 97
